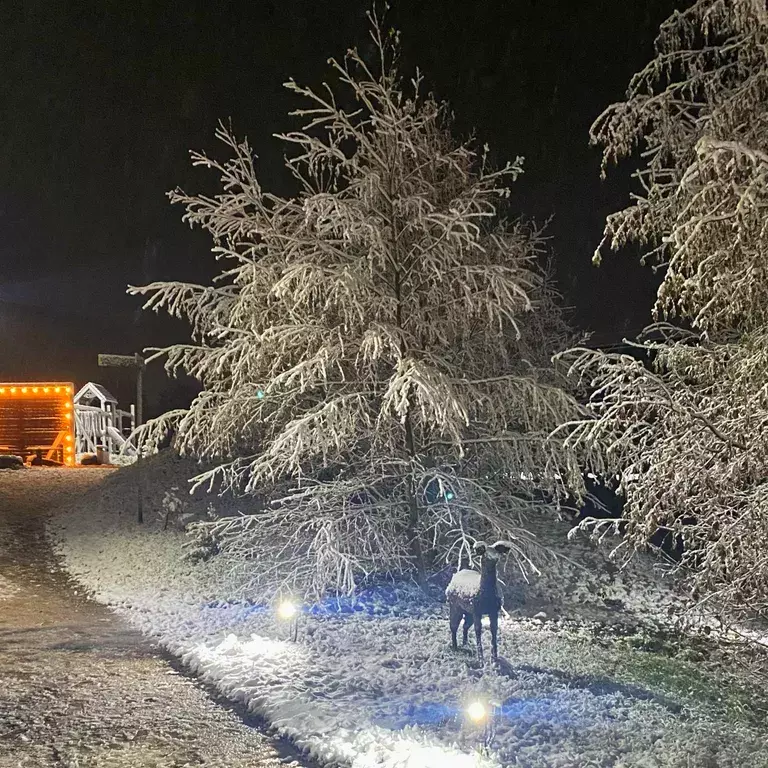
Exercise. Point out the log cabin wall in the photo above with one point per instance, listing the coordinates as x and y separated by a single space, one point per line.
37 417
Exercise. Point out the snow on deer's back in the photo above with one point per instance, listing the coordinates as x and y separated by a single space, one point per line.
464 584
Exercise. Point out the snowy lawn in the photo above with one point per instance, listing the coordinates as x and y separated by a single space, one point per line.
376 684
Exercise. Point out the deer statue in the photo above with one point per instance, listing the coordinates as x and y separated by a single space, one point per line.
472 595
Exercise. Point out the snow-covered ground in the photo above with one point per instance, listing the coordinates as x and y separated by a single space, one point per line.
376 684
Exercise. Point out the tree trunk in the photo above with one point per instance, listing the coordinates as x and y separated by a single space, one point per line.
413 510
412 528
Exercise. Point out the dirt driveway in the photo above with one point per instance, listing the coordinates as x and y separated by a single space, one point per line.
78 689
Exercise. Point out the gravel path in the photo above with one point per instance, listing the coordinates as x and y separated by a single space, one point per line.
78 689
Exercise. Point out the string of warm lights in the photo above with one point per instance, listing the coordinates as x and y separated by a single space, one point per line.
25 389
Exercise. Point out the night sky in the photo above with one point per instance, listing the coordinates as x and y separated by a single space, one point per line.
102 101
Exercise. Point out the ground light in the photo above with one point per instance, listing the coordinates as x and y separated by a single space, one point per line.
288 611
477 712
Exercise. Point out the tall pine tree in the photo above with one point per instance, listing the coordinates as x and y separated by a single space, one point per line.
375 354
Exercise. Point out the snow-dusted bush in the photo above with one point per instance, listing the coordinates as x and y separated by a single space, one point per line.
174 509
684 422
374 356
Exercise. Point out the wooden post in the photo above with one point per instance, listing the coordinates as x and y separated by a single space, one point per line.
136 362
140 366
139 421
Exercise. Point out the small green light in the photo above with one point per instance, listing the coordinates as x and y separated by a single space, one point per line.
449 495
260 394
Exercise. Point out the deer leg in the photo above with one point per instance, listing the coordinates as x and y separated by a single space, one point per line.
467 624
455 620
478 620
494 617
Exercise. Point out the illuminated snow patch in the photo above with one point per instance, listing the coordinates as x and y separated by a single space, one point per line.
255 648
274 678
379 747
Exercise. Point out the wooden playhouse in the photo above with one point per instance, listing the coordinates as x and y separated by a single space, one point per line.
36 418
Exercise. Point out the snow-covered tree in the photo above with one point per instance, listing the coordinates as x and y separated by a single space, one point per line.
686 428
375 354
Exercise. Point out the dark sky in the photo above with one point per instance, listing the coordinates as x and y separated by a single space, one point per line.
101 102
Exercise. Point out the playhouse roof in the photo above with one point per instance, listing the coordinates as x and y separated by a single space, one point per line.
95 391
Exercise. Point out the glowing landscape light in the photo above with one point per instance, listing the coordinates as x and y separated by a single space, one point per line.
477 712
287 610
